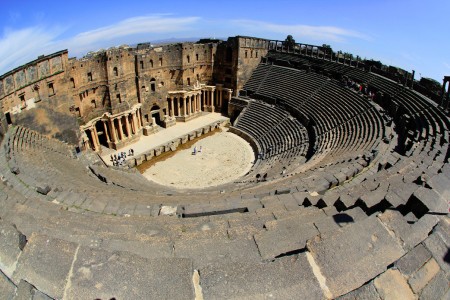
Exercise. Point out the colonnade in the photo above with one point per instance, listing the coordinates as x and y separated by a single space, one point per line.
115 128
186 103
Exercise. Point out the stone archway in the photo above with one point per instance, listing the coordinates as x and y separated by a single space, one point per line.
155 112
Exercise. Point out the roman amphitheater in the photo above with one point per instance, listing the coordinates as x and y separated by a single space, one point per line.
254 169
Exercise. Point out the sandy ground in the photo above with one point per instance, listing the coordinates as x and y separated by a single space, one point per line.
224 158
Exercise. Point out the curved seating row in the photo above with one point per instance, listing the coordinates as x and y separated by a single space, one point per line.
326 231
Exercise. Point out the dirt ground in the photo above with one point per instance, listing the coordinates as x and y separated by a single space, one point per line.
224 157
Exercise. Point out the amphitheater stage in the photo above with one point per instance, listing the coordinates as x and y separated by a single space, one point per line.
164 136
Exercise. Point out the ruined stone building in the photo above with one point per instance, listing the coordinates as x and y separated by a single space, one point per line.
113 96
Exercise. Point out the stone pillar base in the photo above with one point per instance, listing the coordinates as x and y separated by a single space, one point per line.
148 130
169 122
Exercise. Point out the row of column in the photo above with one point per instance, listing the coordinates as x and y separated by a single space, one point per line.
220 95
180 105
189 104
117 129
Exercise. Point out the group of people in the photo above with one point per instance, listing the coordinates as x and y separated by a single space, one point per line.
195 151
120 158
360 88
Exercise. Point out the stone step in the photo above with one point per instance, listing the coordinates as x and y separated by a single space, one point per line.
354 254
285 278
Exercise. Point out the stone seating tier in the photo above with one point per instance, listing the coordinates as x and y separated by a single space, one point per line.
356 220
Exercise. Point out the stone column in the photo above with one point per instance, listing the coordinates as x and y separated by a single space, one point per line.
178 106
120 128
190 105
112 130
172 108
127 126
230 91
106 131
135 122
184 106
96 143
212 100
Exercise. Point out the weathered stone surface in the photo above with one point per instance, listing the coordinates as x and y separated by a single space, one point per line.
104 275
366 292
441 185
410 235
46 263
43 189
26 291
392 285
356 254
11 245
284 238
375 197
168 210
207 251
7 288
285 278
439 250
432 200
421 278
436 288
413 260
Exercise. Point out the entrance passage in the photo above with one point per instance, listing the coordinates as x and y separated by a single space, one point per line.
156 114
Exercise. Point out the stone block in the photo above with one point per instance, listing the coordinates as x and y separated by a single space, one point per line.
98 274
203 252
12 243
354 255
7 288
43 189
168 210
392 285
290 278
437 288
432 200
366 292
410 235
439 250
413 260
283 239
26 291
424 275
46 263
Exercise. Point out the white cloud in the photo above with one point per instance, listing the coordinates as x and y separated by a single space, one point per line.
23 45
318 33
20 46
157 24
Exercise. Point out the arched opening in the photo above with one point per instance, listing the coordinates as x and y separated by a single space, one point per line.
156 115
153 84
73 82
90 139
234 116
115 71
101 134
8 118
151 63
188 59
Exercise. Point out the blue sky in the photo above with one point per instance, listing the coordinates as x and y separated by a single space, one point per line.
410 34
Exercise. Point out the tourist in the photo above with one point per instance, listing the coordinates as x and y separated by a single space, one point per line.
200 150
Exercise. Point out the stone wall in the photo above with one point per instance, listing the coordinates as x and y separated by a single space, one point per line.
62 93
